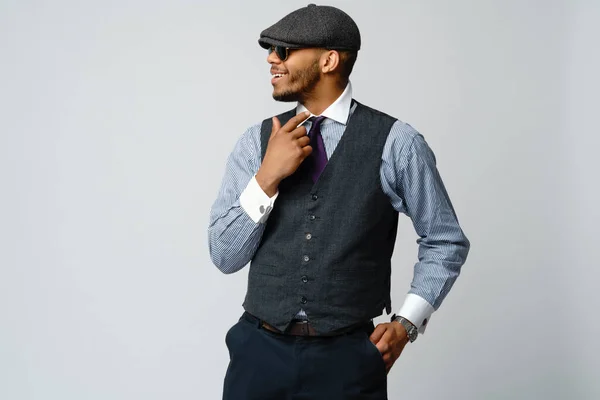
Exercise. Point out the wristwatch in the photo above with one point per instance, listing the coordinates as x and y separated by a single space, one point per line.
411 330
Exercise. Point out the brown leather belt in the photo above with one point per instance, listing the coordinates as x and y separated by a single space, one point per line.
296 328
304 328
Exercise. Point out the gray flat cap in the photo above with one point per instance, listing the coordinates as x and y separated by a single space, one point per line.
313 26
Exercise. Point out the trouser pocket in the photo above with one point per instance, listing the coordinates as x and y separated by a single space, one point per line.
375 354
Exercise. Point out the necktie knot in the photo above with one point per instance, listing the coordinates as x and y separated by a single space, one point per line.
316 122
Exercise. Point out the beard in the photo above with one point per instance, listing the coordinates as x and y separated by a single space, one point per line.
300 84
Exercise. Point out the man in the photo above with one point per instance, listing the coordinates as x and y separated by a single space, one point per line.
317 217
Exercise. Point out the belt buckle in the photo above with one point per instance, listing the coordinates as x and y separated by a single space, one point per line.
304 328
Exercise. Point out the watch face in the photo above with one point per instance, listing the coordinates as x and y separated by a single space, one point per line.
411 330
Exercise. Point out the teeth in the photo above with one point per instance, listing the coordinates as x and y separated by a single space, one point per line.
278 75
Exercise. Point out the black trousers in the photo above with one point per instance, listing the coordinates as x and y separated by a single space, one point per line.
269 366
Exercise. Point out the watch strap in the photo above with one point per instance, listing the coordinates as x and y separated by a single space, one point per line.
411 330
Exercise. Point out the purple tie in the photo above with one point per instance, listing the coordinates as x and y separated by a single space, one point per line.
318 157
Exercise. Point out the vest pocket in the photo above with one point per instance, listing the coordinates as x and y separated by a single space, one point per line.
356 289
354 272
266 269
262 280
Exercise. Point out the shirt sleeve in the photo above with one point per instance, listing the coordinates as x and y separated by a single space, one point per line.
241 209
410 178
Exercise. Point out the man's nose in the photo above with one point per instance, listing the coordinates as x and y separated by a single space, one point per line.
272 58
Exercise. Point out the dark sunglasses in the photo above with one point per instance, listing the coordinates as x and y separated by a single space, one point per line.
282 52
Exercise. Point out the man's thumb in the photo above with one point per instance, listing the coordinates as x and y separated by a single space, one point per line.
276 126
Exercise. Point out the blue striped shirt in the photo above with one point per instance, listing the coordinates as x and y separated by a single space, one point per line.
409 177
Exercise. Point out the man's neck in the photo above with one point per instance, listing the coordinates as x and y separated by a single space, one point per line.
338 110
321 99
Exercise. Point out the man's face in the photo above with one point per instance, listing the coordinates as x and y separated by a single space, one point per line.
295 78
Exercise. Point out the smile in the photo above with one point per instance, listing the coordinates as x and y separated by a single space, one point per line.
277 77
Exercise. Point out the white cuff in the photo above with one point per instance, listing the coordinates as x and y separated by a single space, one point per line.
256 203
417 310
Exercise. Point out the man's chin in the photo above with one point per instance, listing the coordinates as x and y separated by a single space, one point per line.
285 97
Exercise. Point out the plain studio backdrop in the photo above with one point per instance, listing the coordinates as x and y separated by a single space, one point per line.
116 119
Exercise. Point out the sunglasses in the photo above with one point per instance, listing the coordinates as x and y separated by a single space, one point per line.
282 52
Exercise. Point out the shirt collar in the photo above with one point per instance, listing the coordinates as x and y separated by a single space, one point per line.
338 110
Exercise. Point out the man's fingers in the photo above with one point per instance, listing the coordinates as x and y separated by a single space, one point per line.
306 150
303 141
299 132
378 333
383 345
295 121
385 339
276 126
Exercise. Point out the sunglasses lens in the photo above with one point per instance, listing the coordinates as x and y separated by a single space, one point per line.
280 51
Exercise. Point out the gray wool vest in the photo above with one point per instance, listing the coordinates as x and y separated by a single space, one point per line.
327 245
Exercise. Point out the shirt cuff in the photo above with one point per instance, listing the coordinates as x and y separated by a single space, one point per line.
256 203
417 310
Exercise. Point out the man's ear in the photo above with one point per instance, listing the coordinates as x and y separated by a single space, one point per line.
330 61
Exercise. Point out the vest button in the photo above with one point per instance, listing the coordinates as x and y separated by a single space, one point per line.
312 217
306 258
303 300
308 236
305 279
315 197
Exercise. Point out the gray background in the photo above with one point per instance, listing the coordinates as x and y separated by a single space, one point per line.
115 127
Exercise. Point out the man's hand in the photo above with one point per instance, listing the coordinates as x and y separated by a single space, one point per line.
390 339
288 146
